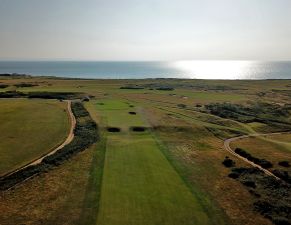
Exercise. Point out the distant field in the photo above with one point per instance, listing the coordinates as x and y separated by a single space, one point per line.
30 128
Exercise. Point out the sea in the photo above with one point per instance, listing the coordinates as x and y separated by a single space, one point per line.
184 69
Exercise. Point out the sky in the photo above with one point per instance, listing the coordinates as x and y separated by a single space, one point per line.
134 30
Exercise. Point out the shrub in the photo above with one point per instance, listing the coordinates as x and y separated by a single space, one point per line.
273 195
233 175
284 175
262 162
25 85
132 87
165 89
227 162
182 106
284 163
12 94
4 85
54 95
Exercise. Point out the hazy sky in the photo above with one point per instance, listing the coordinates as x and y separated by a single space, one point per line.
145 29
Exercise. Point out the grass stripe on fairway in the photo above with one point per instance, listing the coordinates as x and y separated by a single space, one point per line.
141 187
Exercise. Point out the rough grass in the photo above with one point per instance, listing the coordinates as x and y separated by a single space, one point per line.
196 155
51 198
262 148
29 129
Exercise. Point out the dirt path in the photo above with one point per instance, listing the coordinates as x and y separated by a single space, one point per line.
67 141
228 148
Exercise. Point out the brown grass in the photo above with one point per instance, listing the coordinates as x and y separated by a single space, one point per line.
55 197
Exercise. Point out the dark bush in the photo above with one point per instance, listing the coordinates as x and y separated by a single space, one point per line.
132 87
4 85
227 162
86 99
132 113
262 162
54 95
165 89
5 75
12 94
44 95
249 183
284 175
25 85
182 106
284 163
274 196
233 175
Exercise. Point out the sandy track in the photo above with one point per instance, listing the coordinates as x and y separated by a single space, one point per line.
228 148
69 138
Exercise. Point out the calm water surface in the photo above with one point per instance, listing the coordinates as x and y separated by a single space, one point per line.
177 69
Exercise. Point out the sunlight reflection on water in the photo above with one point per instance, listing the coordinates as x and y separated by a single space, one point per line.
216 69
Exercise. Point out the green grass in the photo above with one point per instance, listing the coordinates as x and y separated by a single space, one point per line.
116 114
112 104
211 96
139 185
29 129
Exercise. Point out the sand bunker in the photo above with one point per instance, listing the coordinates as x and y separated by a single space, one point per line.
113 129
138 129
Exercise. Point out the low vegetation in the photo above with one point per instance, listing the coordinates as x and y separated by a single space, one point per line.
44 95
132 87
284 163
271 114
2 86
21 85
272 196
227 162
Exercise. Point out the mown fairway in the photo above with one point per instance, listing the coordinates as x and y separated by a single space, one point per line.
139 185
29 129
